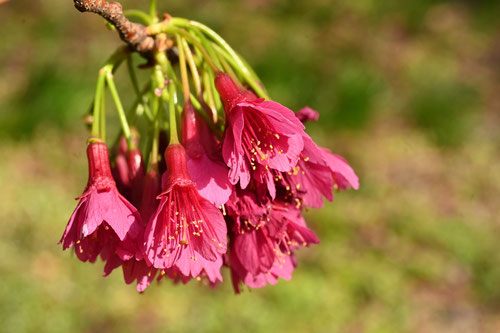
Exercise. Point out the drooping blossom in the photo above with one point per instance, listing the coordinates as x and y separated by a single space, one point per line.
136 268
317 173
259 134
204 160
310 180
343 175
104 222
260 254
186 230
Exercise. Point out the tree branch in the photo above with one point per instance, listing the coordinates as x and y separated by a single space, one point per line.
134 34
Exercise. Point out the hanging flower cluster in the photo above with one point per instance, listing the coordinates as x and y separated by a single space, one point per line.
206 172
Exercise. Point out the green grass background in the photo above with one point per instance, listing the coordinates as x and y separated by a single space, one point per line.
408 92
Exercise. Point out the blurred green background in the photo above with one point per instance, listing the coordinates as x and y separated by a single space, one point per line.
408 92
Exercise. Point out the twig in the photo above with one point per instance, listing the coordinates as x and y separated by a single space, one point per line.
134 34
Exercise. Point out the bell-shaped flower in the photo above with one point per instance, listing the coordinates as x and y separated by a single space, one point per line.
186 227
104 222
259 133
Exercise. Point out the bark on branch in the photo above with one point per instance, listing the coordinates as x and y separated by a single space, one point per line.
133 34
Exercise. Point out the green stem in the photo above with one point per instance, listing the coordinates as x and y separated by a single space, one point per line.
174 137
119 109
208 92
96 115
103 114
132 74
247 73
215 93
152 8
155 144
138 14
192 66
208 46
182 64
170 29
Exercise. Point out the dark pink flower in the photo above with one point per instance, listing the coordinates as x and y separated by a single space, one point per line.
136 174
204 160
120 170
185 225
128 170
260 254
150 191
259 134
307 114
247 208
104 222
317 173
310 180
136 268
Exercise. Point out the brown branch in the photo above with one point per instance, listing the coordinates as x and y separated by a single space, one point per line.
134 34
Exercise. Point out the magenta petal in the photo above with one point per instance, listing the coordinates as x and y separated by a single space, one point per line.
198 267
254 251
232 150
111 264
111 207
215 235
71 233
338 165
211 179
140 271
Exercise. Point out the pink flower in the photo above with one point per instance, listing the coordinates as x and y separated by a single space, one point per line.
246 207
307 114
259 134
150 191
204 160
136 268
310 180
186 227
128 170
260 254
316 174
104 222
136 174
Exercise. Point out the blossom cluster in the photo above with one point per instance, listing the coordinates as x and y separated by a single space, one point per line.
222 196
249 189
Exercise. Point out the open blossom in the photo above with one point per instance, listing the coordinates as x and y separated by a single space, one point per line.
259 134
204 161
186 227
104 222
317 173
260 254
136 268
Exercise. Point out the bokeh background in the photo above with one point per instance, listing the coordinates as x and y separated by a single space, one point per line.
408 92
